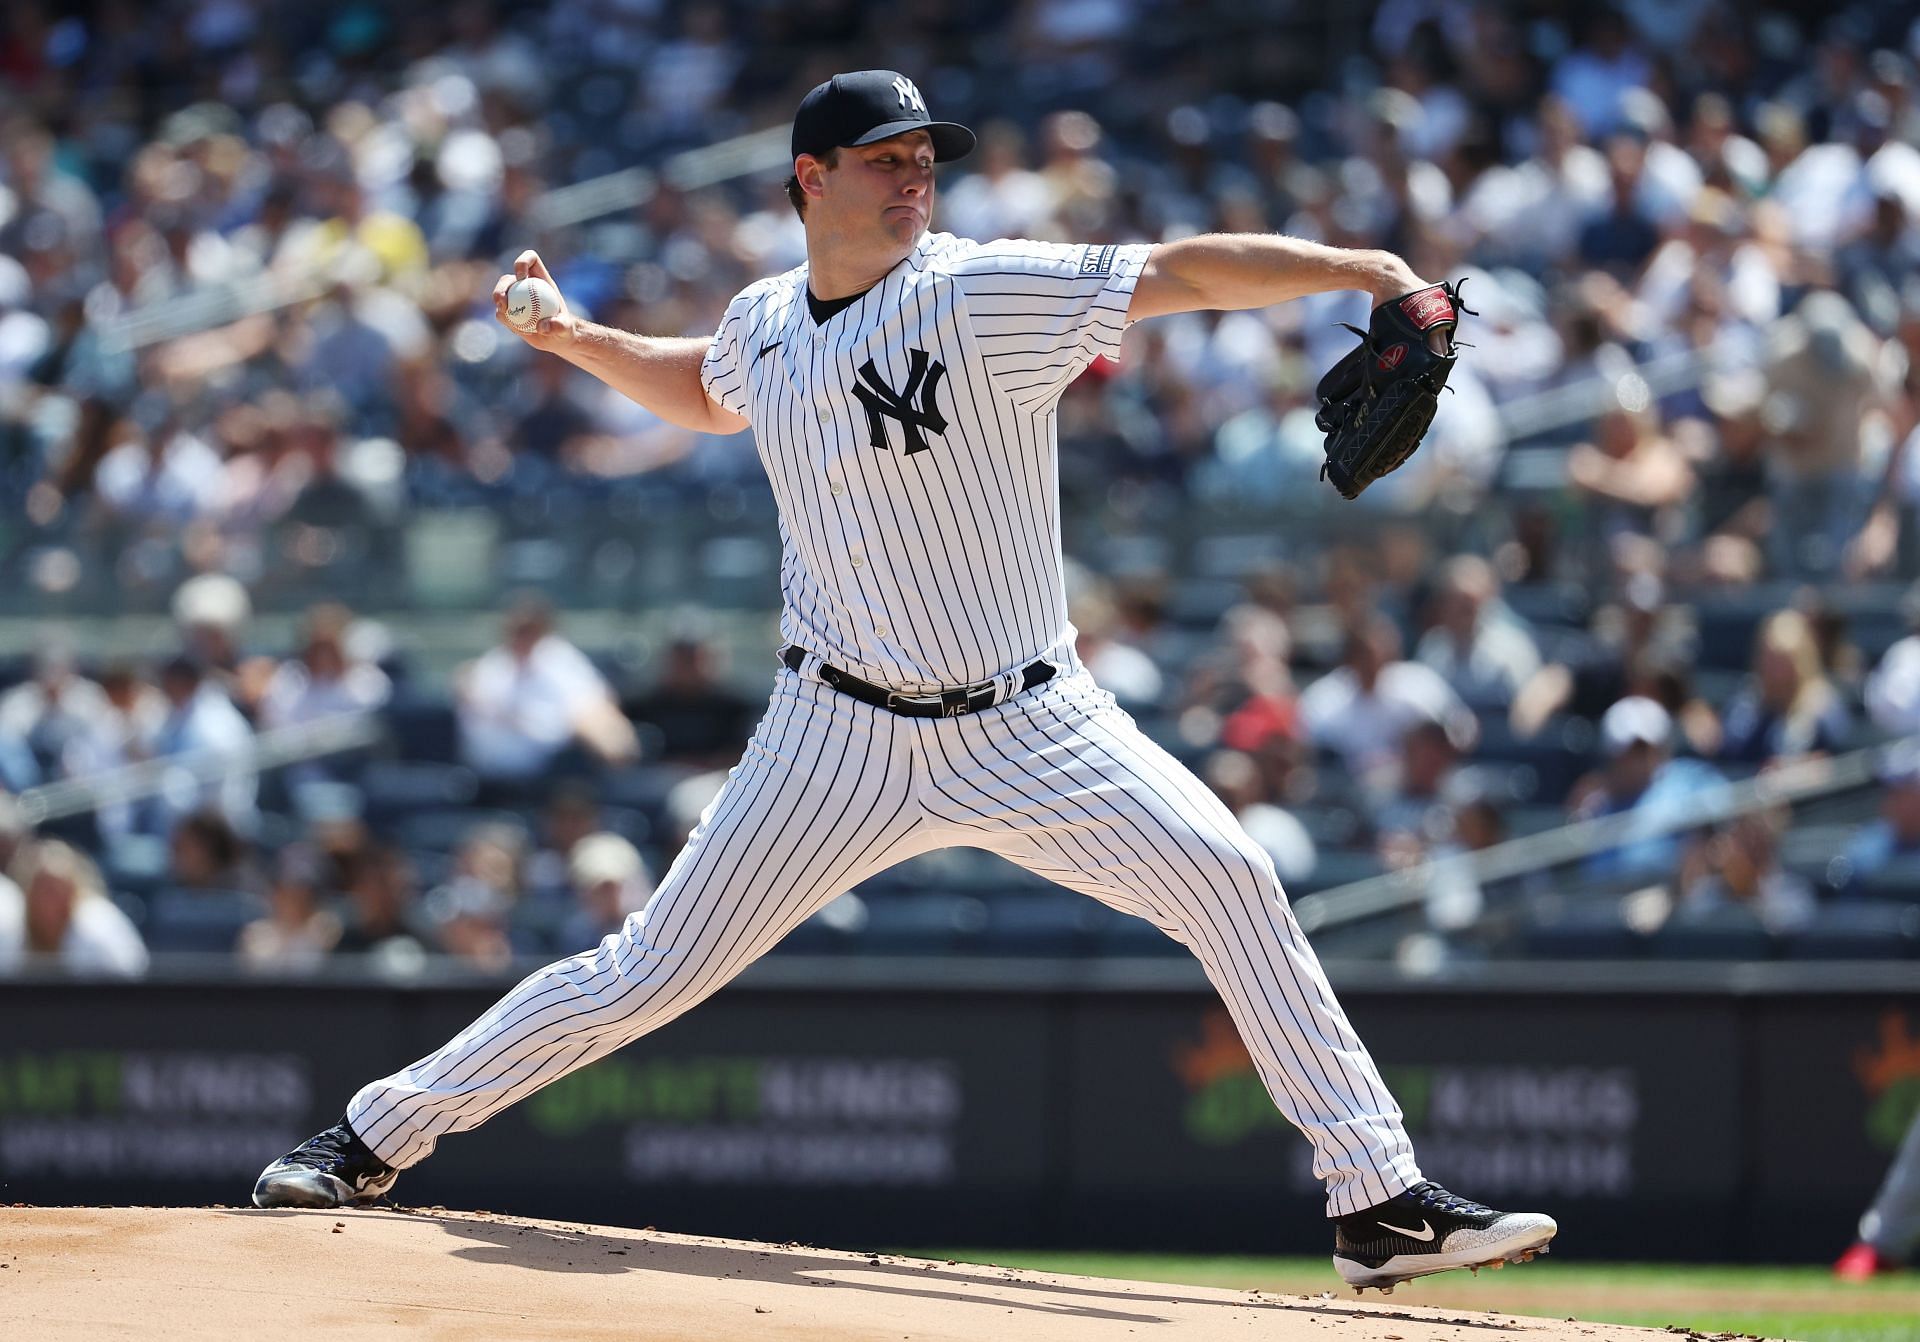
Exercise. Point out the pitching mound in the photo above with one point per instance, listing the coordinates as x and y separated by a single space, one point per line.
203 1273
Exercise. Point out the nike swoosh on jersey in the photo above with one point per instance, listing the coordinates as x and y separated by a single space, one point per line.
1425 1232
765 350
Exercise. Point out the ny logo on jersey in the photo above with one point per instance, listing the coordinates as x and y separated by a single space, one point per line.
883 402
909 95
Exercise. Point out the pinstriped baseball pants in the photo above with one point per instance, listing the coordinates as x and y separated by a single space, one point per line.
831 791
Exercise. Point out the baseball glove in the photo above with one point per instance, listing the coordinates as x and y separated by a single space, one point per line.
1376 403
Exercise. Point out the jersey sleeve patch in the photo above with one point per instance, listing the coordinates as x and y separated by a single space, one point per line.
1098 260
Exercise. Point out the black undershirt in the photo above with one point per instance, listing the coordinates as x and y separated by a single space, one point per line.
822 309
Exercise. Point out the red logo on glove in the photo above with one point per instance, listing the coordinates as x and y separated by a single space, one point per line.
1390 357
1428 307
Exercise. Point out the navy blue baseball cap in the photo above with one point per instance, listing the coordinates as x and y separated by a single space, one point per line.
870 105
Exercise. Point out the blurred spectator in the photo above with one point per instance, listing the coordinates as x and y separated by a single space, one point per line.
1894 836
1363 708
529 698
1634 472
14 830
1242 688
1122 670
51 716
381 916
610 881
1893 688
54 910
204 853
1790 707
1416 813
572 812
1829 382
324 678
1482 650
298 932
470 922
493 854
201 721
1238 781
1641 779
211 611
1739 866
700 720
123 733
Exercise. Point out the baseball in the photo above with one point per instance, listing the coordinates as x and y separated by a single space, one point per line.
531 300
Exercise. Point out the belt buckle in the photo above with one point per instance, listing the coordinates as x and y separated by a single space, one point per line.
896 701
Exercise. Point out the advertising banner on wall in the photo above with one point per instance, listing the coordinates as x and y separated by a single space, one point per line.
1703 1125
1606 1107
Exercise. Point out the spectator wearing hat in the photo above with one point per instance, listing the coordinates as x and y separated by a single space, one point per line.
1892 692
54 910
1640 778
610 881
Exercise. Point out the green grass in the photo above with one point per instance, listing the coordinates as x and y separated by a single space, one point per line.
1803 1303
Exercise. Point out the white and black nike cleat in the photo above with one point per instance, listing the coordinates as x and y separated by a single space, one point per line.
1426 1230
333 1169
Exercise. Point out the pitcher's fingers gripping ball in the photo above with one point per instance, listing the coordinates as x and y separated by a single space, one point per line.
530 301
1376 403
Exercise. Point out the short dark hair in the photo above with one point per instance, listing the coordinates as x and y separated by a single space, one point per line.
798 197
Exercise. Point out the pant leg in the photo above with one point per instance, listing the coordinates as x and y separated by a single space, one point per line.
821 800
1892 1224
1062 782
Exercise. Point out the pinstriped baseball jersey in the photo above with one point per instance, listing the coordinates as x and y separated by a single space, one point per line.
911 443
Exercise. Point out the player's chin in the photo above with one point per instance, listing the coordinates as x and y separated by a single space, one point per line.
904 225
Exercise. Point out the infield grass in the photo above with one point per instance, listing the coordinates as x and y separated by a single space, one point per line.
1803 1303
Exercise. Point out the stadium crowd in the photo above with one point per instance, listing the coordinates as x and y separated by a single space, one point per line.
1625 569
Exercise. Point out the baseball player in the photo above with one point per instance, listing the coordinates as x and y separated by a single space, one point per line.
1890 1228
901 385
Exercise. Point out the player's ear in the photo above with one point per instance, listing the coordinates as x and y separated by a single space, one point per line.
811 173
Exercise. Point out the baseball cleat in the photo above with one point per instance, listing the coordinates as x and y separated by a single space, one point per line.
1863 1262
333 1169
1426 1230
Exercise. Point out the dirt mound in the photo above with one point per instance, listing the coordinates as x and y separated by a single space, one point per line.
70 1273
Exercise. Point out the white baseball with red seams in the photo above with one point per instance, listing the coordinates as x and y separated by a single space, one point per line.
531 301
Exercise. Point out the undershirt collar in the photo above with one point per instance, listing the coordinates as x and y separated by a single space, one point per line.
822 309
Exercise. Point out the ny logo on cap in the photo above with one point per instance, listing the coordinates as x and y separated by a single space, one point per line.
909 95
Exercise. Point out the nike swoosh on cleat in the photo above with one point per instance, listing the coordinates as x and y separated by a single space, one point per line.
1425 1232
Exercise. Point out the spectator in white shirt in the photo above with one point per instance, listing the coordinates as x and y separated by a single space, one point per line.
325 679
1361 709
56 710
55 910
201 718
523 702
1483 652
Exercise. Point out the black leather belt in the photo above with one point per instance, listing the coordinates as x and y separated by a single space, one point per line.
946 704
